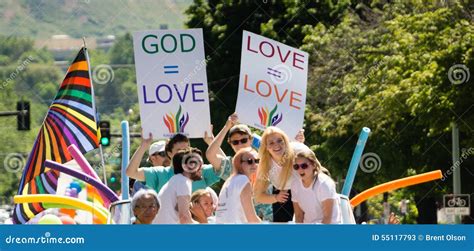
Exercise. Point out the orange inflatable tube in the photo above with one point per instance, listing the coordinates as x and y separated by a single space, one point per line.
395 184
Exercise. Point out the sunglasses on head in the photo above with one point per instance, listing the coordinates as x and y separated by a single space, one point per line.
241 141
162 154
251 161
303 166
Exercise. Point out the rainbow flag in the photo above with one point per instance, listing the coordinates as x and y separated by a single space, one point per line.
70 120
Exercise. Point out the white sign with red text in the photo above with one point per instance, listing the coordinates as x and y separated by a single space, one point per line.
272 86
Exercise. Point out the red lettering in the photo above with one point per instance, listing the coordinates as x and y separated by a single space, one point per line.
246 82
283 60
299 60
278 94
248 45
272 49
293 98
268 87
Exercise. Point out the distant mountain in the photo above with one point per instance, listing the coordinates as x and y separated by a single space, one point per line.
89 18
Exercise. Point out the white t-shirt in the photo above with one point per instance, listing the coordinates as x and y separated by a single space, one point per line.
275 170
274 176
229 209
310 199
178 185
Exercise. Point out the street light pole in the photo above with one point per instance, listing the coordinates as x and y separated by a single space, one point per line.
457 166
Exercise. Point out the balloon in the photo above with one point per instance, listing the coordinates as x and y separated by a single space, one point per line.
74 192
58 200
68 211
67 220
105 192
75 185
396 184
125 159
82 162
49 219
354 165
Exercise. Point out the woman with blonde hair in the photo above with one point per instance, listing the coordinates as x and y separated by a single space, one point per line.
235 199
202 205
275 168
315 199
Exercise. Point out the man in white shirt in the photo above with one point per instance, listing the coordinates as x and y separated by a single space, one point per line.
175 196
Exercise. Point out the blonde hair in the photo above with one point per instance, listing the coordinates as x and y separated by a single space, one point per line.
311 157
286 161
237 160
196 196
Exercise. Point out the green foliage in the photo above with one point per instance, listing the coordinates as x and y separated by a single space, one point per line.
282 20
391 75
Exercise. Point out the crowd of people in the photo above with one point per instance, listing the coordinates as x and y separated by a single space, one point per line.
282 182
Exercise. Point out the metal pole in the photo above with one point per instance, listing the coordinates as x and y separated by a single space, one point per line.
103 164
457 166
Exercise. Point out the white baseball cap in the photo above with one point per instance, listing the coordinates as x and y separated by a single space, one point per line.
157 147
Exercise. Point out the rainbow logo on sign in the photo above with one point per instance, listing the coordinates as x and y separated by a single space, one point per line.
176 123
271 118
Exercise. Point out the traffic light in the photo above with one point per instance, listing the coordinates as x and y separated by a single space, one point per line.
23 117
113 179
104 133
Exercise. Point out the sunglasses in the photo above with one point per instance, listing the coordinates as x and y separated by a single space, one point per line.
162 154
251 161
241 141
303 166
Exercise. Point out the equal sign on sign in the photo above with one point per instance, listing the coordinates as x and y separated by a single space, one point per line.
171 69
274 72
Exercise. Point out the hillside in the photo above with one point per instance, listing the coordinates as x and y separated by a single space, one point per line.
42 18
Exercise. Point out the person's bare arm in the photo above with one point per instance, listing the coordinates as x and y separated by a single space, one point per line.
133 169
299 214
247 205
184 213
214 153
327 206
300 136
261 195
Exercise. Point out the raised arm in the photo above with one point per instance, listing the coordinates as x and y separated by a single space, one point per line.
214 153
133 169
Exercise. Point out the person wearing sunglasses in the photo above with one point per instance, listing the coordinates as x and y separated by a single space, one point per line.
314 195
157 157
275 169
157 154
157 176
235 203
175 196
239 137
